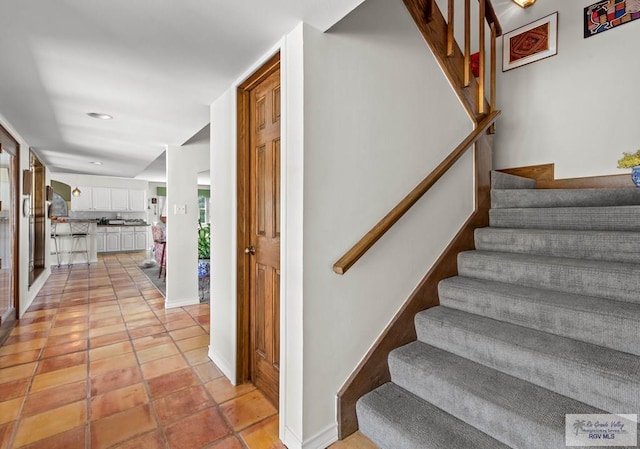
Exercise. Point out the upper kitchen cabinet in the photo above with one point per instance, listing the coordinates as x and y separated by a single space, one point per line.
137 200
101 197
119 199
109 199
124 200
84 201
91 198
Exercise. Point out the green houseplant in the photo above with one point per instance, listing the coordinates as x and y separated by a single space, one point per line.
204 240
204 249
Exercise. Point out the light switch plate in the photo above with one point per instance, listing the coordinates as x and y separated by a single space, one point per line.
180 209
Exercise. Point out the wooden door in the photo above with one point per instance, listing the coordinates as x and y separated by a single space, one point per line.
264 249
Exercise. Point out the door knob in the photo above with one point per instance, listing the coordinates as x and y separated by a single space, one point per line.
250 250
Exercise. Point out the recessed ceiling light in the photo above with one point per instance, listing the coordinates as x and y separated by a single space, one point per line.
96 162
100 115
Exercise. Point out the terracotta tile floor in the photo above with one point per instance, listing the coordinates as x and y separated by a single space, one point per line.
97 362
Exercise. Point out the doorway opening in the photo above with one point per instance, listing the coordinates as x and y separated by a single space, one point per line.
37 218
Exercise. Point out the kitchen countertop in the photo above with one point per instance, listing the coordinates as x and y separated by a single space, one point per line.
122 225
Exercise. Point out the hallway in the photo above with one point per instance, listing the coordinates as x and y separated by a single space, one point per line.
97 362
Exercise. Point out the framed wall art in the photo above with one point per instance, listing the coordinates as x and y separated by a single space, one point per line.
607 14
530 43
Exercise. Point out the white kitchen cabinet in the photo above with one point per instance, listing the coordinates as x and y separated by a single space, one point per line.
112 239
109 199
141 238
127 239
100 240
101 197
121 238
137 200
119 200
84 201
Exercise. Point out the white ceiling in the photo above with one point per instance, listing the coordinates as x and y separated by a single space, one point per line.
154 65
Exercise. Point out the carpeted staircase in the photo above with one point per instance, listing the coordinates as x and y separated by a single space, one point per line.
543 320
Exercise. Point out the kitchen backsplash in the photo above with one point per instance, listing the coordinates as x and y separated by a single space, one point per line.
108 215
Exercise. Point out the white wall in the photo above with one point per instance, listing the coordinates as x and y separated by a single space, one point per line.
183 165
579 108
26 294
224 236
74 180
367 114
379 116
223 240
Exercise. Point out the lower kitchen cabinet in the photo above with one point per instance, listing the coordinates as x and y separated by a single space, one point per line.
140 236
121 238
100 239
112 240
127 240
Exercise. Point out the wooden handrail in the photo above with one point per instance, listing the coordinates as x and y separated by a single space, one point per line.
371 237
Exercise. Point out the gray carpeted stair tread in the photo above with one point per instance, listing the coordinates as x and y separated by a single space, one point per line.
615 246
393 418
615 218
608 323
501 180
545 198
513 411
543 320
601 377
610 280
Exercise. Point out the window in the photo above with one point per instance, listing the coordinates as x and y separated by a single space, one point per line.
203 205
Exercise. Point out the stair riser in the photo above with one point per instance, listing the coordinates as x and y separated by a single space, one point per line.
501 180
541 198
617 283
625 218
517 422
565 376
612 247
588 324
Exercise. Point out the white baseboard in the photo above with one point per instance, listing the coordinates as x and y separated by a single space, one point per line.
290 439
181 303
322 439
33 290
223 366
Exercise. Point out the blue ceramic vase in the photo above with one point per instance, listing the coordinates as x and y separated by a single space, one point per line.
204 267
635 175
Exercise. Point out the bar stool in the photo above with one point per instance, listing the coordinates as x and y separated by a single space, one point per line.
79 233
54 236
163 257
159 248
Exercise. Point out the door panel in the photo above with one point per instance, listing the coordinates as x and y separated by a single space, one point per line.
265 235
8 237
